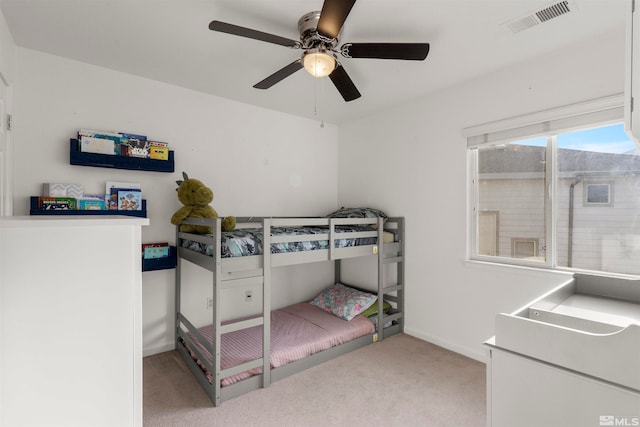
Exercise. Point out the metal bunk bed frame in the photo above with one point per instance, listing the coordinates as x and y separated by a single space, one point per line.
256 269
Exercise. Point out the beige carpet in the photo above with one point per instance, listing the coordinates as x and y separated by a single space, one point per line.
401 381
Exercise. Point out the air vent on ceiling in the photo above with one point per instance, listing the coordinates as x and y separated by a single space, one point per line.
543 15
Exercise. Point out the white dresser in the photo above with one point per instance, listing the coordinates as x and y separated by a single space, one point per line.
70 321
569 359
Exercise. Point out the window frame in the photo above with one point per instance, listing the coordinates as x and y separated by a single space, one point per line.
519 240
593 182
549 123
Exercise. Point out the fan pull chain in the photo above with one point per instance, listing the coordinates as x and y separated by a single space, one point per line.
315 100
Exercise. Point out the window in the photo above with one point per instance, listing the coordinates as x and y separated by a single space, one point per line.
512 185
598 194
524 248
552 186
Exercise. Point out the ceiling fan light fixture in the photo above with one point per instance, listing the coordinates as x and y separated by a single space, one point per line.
319 62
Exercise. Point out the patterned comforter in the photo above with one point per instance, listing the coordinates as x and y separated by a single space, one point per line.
248 241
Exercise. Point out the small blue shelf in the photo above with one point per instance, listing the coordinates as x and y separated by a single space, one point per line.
79 158
35 211
163 263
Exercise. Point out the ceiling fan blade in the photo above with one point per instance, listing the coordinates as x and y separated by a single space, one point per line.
236 30
281 74
409 51
332 17
343 83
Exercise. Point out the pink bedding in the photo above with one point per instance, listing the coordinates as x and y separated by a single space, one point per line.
297 331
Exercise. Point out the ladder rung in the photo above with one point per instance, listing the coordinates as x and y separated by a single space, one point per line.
391 298
243 324
392 317
390 289
241 368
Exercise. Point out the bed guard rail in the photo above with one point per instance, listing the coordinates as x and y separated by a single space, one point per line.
337 232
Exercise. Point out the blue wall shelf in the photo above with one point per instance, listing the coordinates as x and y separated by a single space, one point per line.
79 158
163 263
35 211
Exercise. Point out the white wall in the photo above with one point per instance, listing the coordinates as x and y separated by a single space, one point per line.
257 161
411 161
7 52
419 148
7 67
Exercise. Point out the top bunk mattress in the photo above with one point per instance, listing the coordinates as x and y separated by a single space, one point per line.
297 331
248 241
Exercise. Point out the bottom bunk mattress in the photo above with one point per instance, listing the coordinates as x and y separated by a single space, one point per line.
297 331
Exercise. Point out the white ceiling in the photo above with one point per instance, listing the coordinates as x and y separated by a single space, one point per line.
169 41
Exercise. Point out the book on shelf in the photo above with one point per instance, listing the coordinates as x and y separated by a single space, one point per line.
136 148
91 203
56 203
62 190
114 136
158 150
132 137
154 245
155 250
159 144
129 199
100 142
112 143
89 144
111 192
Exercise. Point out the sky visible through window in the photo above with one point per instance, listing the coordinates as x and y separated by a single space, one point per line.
606 139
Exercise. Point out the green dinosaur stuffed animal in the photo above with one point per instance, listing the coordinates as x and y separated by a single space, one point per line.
195 196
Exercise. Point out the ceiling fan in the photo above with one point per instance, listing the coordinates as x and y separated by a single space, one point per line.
319 33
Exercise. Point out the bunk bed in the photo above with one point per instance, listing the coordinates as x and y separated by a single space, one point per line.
233 357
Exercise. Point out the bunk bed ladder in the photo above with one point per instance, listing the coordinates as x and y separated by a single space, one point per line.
381 281
216 317
264 319
397 315
266 302
384 261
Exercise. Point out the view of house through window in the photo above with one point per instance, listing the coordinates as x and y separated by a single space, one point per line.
592 210
512 185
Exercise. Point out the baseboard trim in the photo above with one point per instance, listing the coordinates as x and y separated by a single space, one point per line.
479 356
160 349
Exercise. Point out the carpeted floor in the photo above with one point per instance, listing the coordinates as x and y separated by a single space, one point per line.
401 381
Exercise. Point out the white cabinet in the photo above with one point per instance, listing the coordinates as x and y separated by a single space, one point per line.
526 392
70 321
570 358
632 84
